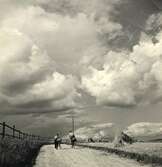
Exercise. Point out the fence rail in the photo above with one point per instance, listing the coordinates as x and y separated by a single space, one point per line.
17 134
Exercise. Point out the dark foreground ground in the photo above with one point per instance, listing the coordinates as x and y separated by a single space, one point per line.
18 153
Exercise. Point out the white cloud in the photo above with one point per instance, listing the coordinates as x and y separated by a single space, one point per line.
144 129
53 31
44 39
36 44
21 60
154 22
52 88
127 78
28 74
95 131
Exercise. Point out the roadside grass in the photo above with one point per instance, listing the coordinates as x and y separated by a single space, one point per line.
18 153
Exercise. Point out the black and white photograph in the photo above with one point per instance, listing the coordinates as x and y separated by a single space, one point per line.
80 83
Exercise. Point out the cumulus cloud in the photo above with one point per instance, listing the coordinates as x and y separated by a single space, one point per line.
54 31
40 44
144 129
21 60
128 78
28 74
52 88
97 131
48 46
100 11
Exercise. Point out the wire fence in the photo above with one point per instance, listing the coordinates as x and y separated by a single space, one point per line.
11 131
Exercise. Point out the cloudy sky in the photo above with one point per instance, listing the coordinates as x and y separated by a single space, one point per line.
98 59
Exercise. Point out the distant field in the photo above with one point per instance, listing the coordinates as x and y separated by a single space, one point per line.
149 148
144 152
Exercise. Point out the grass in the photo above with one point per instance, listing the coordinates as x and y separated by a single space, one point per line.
149 153
17 153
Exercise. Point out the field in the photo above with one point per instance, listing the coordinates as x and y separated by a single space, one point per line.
149 148
18 153
144 152
15 153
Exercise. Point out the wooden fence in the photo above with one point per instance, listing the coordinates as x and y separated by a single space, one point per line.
15 133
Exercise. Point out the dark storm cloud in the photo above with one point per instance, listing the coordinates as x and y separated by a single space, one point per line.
158 4
123 12
133 22
73 7
38 110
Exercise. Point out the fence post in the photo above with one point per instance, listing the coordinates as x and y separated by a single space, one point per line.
13 131
19 134
30 138
3 130
33 137
23 136
26 136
